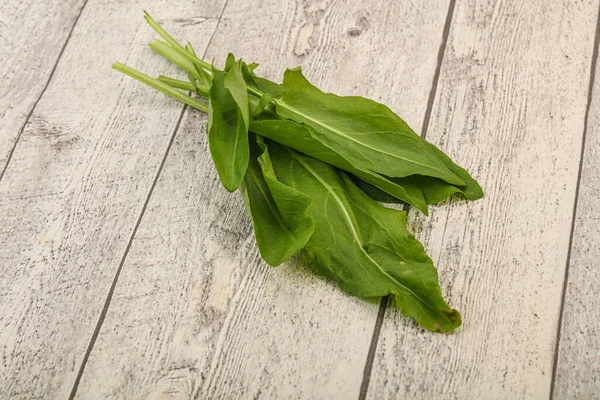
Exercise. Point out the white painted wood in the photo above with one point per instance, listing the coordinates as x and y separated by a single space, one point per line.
32 34
578 367
195 312
75 188
510 108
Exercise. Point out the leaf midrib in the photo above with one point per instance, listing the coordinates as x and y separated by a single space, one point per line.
288 107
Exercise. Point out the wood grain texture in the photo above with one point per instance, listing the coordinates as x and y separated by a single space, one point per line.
510 109
75 188
196 313
578 366
32 35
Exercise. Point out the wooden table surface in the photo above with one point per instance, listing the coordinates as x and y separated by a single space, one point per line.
127 271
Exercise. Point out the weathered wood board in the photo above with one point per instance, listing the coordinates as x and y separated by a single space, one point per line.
578 362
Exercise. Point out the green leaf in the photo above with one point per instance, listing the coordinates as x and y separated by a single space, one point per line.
364 132
228 131
300 137
362 245
281 224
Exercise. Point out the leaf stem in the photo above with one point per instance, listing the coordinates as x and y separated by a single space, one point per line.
161 86
176 83
206 77
174 56
186 53
202 90
175 44
201 63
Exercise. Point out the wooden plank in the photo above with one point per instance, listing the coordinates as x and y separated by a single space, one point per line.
32 35
196 313
511 109
75 188
578 369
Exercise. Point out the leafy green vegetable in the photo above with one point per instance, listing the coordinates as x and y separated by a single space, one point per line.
281 225
362 245
312 166
228 121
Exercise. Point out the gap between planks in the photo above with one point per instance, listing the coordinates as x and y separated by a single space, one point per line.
575 204
113 286
62 50
364 387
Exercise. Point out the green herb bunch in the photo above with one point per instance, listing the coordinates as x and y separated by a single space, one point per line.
312 168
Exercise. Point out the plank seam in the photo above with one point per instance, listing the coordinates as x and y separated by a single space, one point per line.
364 387
575 204
438 69
62 50
121 263
113 285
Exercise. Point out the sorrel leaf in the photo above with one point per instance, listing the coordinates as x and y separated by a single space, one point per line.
364 132
362 245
